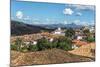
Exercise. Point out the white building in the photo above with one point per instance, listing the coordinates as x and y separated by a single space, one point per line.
79 37
74 46
51 40
59 32
34 42
27 43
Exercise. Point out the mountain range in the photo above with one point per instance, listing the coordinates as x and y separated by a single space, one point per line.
21 28
65 26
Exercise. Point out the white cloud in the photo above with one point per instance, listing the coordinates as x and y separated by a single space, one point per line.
92 22
27 18
77 22
83 7
19 14
65 22
68 11
35 19
79 14
47 19
85 23
36 22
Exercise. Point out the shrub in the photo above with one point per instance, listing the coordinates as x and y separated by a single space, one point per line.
64 43
54 44
43 44
32 48
13 47
18 43
24 49
61 43
90 39
69 33
86 32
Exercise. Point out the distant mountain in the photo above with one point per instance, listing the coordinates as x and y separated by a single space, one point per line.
54 26
20 28
73 25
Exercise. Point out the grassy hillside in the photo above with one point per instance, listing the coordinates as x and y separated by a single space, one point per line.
87 50
50 56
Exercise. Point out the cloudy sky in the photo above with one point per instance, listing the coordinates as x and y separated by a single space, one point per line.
52 13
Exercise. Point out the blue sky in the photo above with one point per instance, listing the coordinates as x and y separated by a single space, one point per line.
52 13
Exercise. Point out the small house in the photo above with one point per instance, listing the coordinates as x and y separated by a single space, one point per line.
59 31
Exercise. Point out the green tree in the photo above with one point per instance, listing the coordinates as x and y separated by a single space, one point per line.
69 33
54 44
61 43
24 48
64 43
43 44
86 32
18 43
13 47
32 47
90 39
